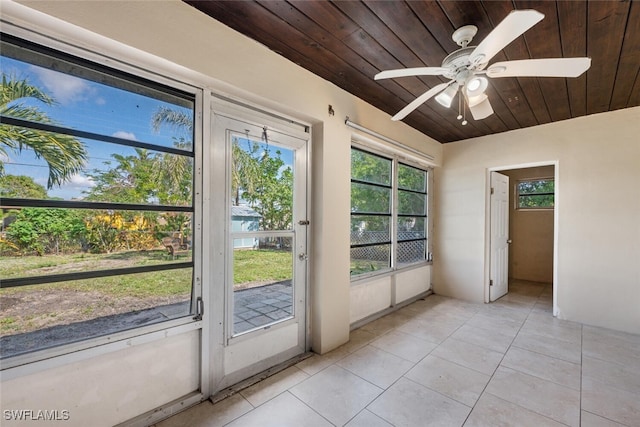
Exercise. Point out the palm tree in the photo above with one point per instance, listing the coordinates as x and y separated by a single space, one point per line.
64 154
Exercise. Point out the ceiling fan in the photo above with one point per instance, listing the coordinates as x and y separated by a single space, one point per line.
466 67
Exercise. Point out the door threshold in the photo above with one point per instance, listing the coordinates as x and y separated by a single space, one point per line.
236 388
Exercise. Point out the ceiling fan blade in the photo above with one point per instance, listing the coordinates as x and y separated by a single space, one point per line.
546 67
479 105
405 72
420 100
511 27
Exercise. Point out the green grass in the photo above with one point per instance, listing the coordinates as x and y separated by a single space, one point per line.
262 265
250 266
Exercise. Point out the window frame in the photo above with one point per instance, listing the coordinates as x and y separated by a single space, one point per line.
396 159
389 215
519 195
63 51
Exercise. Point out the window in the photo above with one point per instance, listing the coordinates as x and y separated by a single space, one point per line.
535 193
388 213
96 185
371 197
412 214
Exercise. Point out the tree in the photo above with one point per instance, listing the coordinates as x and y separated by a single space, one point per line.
130 180
42 231
18 187
22 187
175 172
272 195
64 154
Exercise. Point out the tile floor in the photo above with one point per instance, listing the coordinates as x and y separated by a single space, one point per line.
445 362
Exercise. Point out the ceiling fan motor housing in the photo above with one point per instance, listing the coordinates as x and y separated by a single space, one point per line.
457 61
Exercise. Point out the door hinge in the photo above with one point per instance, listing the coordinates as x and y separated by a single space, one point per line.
492 190
490 282
199 309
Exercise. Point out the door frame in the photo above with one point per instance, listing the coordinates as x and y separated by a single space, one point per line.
487 229
227 108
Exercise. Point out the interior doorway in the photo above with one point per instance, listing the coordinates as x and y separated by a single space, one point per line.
532 229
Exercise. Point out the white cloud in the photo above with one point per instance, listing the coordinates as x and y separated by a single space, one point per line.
64 88
73 188
80 181
125 135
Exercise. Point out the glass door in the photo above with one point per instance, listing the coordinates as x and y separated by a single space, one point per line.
266 278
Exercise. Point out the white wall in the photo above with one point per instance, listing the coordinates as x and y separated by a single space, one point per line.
110 388
598 207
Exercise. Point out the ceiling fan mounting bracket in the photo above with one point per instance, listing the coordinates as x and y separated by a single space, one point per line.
463 35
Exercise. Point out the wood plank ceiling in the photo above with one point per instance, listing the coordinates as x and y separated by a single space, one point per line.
348 42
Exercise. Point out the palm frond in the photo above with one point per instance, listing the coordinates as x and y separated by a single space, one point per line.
14 88
176 119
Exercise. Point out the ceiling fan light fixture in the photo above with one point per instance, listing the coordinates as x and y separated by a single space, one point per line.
445 98
476 86
472 101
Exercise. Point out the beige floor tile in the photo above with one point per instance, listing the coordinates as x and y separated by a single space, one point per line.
206 414
611 347
491 411
385 324
516 314
587 419
612 403
358 339
337 394
316 363
556 331
429 330
549 346
282 411
486 338
367 419
619 337
270 387
404 345
470 355
457 382
550 320
612 374
552 400
376 366
545 367
493 322
409 404
457 308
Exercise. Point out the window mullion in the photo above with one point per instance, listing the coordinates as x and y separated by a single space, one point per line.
394 216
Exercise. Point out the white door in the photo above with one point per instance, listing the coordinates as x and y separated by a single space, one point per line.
499 269
263 293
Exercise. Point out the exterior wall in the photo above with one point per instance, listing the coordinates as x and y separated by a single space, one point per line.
597 277
531 253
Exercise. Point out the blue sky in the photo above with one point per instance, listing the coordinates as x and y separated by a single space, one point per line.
94 107
90 106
